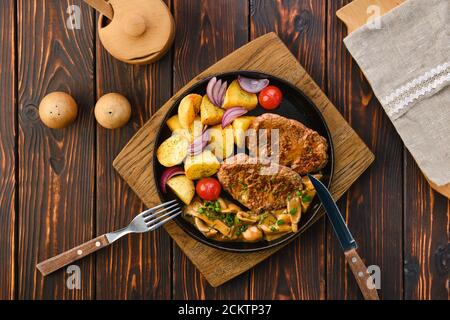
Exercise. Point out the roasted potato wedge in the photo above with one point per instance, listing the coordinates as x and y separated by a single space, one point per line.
201 166
185 133
174 123
188 109
221 141
182 187
173 150
210 114
196 128
240 126
236 97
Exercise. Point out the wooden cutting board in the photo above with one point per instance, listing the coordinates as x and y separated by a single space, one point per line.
355 15
269 55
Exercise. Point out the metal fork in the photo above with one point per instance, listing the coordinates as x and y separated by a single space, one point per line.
147 220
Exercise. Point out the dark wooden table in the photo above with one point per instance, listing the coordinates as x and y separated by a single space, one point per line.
58 187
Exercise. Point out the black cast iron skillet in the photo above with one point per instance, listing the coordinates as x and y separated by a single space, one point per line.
295 105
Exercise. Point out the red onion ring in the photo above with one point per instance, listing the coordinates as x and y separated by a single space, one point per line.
216 92
167 174
199 144
231 114
252 85
221 95
210 88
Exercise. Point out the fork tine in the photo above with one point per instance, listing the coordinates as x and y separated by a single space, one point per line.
159 224
162 210
158 206
151 222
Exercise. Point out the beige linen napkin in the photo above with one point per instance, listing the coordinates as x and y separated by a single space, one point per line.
407 62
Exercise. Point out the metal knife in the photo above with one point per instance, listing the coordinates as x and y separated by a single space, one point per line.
348 243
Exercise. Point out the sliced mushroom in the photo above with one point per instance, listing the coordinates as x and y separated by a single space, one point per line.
295 211
201 225
231 208
279 212
192 209
310 194
223 203
252 234
275 236
211 233
267 219
221 237
247 217
286 218
275 229
215 224
274 232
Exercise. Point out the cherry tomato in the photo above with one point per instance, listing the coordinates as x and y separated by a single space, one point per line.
208 189
270 97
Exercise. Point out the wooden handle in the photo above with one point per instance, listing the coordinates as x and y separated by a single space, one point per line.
102 6
361 274
51 265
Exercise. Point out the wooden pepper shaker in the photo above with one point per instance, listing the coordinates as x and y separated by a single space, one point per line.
112 111
58 110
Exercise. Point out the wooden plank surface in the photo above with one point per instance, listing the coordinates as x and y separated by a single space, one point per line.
302 26
8 130
223 27
373 207
136 267
64 190
56 167
426 238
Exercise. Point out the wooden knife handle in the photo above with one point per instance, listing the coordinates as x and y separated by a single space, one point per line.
51 265
361 274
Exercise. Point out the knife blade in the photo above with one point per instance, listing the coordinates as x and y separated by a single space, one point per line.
337 221
348 243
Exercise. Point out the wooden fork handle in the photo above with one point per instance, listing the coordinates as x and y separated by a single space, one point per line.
51 265
361 274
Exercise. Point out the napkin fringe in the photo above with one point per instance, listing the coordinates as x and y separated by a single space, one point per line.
429 83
